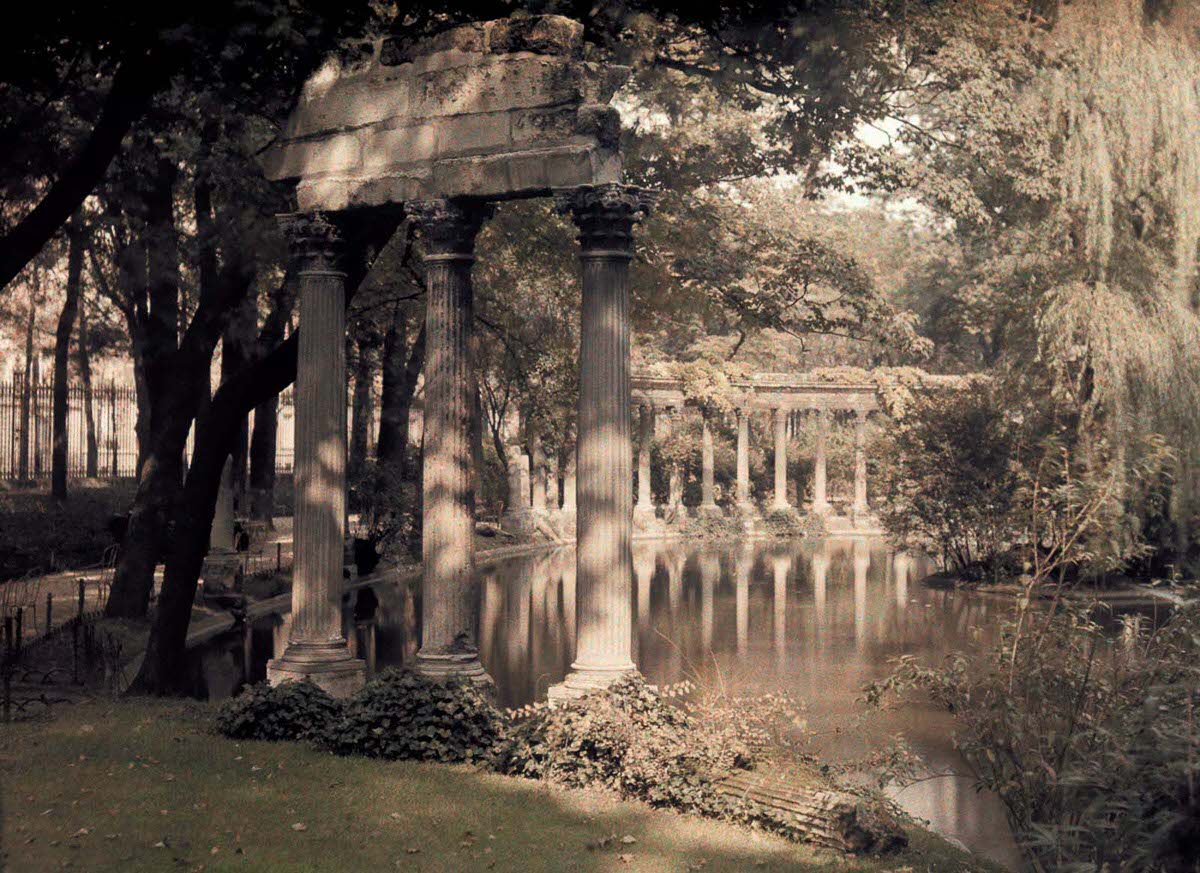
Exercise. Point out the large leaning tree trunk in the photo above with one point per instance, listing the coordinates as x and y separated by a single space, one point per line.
177 378
62 358
266 415
162 669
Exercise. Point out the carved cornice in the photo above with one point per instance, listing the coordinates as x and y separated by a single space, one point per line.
605 214
313 240
449 227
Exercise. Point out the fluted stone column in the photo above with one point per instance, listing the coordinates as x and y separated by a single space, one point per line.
820 503
743 459
675 475
552 497
449 583
644 511
316 648
568 487
861 507
708 499
781 500
605 216
537 468
900 565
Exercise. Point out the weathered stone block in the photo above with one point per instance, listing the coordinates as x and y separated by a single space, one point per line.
496 85
312 157
401 145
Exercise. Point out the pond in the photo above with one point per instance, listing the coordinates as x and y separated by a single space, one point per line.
817 618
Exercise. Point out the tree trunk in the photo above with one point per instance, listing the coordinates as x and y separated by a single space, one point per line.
27 386
266 415
62 353
164 666
237 350
84 359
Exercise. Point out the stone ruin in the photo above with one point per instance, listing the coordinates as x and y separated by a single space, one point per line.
494 110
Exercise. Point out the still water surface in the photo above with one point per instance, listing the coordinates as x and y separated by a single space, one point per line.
817 618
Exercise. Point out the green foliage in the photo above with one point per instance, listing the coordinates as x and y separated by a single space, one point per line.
646 746
948 476
287 711
400 715
1089 738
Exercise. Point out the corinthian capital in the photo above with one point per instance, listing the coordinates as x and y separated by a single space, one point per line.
313 240
449 227
605 214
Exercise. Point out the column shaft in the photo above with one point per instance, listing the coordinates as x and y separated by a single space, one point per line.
316 648
820 502
537 464
781 499
605 216
646 436
743 458
860 462
707 486
449 586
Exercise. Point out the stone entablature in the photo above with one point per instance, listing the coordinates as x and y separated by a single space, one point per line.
790 393
493 110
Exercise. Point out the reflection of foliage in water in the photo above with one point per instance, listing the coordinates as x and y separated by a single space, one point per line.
1089 739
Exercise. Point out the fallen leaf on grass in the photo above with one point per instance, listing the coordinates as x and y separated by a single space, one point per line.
628 840
299 826
625 858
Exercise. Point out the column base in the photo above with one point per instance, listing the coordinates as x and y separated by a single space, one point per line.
644 517
444 665
587 680
821 507
221 571
328 667
520 522
781 507
710 510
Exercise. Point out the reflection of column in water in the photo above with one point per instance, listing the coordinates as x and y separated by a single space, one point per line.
862 563
745 562
643 569
491 597
568 601
781 564
675 564
519 590
553 615
710 570
538 582
820 570
900 570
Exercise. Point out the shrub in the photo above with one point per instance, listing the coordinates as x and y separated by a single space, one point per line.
288 711
1089 739
631 740
401 715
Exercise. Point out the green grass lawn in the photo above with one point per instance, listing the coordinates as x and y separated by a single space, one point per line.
146 786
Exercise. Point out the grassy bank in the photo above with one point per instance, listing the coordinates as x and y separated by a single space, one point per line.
145 786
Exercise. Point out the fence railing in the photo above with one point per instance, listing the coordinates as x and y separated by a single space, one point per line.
101 430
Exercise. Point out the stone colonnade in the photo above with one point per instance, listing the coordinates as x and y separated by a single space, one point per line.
600 485
778 418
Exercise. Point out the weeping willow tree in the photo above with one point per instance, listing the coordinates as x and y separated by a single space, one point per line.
1060 144
1124 335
